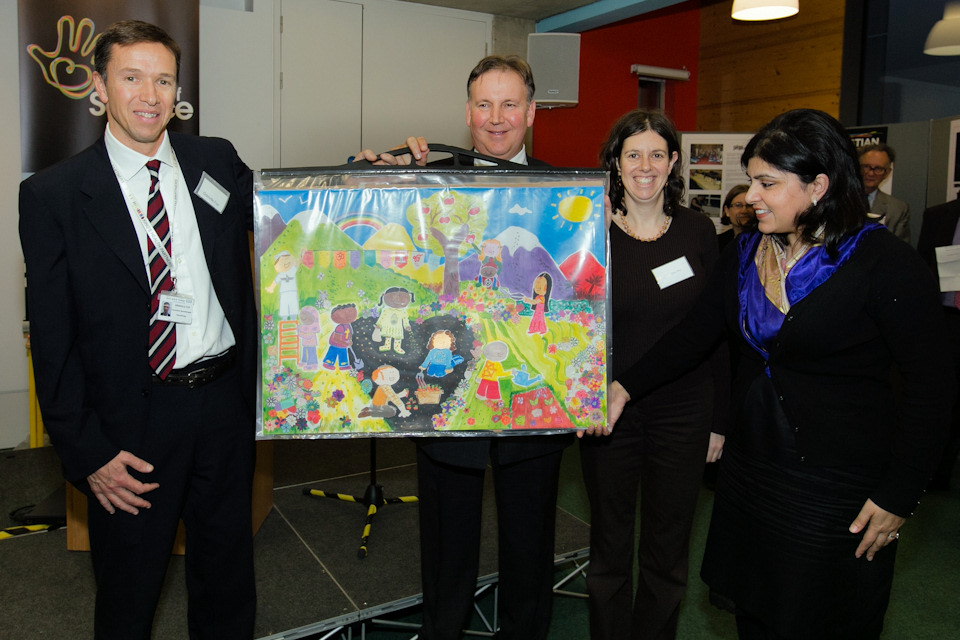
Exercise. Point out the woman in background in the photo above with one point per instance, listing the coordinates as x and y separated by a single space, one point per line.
737 211
821 466
661 255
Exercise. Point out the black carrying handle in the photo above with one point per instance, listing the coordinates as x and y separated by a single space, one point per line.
456 152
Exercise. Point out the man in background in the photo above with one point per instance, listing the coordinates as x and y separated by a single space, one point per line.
153 419
941 229
876 164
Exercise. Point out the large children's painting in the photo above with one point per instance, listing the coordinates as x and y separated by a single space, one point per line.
431 302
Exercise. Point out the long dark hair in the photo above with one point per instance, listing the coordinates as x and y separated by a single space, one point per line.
630 124
546 294
806 143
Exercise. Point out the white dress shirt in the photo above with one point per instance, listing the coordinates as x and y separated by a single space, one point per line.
208 334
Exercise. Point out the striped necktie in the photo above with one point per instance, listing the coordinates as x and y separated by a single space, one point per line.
163 335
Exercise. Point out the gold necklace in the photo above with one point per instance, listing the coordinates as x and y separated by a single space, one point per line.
630 232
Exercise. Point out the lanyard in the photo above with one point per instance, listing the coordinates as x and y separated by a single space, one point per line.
147 226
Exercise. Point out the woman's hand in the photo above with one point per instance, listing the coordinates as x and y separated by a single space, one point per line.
715 450
617 397
882 528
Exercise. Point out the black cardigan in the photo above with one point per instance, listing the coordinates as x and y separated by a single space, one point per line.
831 364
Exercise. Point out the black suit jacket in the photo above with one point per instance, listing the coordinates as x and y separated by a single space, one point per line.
830 364
88 296
473 452
939 224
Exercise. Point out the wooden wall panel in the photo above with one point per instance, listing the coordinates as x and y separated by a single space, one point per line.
751 71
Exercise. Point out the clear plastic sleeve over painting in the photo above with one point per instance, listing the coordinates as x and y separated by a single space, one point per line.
431 301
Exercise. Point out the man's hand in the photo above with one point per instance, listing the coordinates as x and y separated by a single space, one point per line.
882 528
115 488
416 149
715 450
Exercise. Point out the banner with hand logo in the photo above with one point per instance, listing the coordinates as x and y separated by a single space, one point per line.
60 112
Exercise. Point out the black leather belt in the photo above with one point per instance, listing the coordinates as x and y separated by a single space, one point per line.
200 373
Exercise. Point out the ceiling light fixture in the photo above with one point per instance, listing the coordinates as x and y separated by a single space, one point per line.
944 38
764 9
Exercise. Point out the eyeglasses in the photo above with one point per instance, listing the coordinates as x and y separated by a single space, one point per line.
741 205
870 168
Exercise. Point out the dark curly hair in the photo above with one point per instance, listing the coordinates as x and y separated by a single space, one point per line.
630 124
806 143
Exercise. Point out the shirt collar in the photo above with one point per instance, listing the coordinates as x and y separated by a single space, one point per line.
128 162
520 158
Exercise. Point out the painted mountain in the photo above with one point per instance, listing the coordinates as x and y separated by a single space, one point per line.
585 274
522 258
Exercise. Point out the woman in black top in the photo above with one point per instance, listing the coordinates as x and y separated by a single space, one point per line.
661 256
821 466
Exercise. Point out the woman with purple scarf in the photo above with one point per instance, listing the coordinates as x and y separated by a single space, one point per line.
823 461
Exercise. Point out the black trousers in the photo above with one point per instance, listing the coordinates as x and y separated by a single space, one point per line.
659 444
450 505
201 444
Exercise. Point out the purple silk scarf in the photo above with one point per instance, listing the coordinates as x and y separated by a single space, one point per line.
760 320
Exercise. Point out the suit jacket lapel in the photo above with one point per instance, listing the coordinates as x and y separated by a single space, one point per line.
108 213
880 204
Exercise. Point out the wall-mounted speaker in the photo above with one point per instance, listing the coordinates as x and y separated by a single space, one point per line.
555 61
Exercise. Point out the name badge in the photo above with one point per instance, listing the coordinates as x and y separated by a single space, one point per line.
210 191
948 266
176 308
672 272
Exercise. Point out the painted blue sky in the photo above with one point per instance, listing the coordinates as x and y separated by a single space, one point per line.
564 219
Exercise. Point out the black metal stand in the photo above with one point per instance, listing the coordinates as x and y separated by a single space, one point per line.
372 498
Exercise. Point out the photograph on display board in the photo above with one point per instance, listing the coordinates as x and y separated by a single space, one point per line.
701 154
426 303
705 179
710 205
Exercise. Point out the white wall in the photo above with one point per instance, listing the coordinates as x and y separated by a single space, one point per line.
14 427
239 59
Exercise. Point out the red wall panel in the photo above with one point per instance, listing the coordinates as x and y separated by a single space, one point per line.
667 38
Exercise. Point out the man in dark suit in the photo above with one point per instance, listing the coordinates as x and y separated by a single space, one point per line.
941 228
876 163
152 419
499 110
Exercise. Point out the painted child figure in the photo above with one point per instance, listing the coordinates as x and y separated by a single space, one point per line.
341 338
495 353
440 359
489 264
307 329
286 267
542 286
385 377
393 320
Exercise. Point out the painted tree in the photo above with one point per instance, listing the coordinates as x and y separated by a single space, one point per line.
449 224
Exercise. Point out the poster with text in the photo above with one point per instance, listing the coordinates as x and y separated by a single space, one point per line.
431 302
711 168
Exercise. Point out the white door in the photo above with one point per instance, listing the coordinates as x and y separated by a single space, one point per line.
321 62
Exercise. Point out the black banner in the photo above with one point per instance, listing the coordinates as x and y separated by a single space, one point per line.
60 113
862 136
